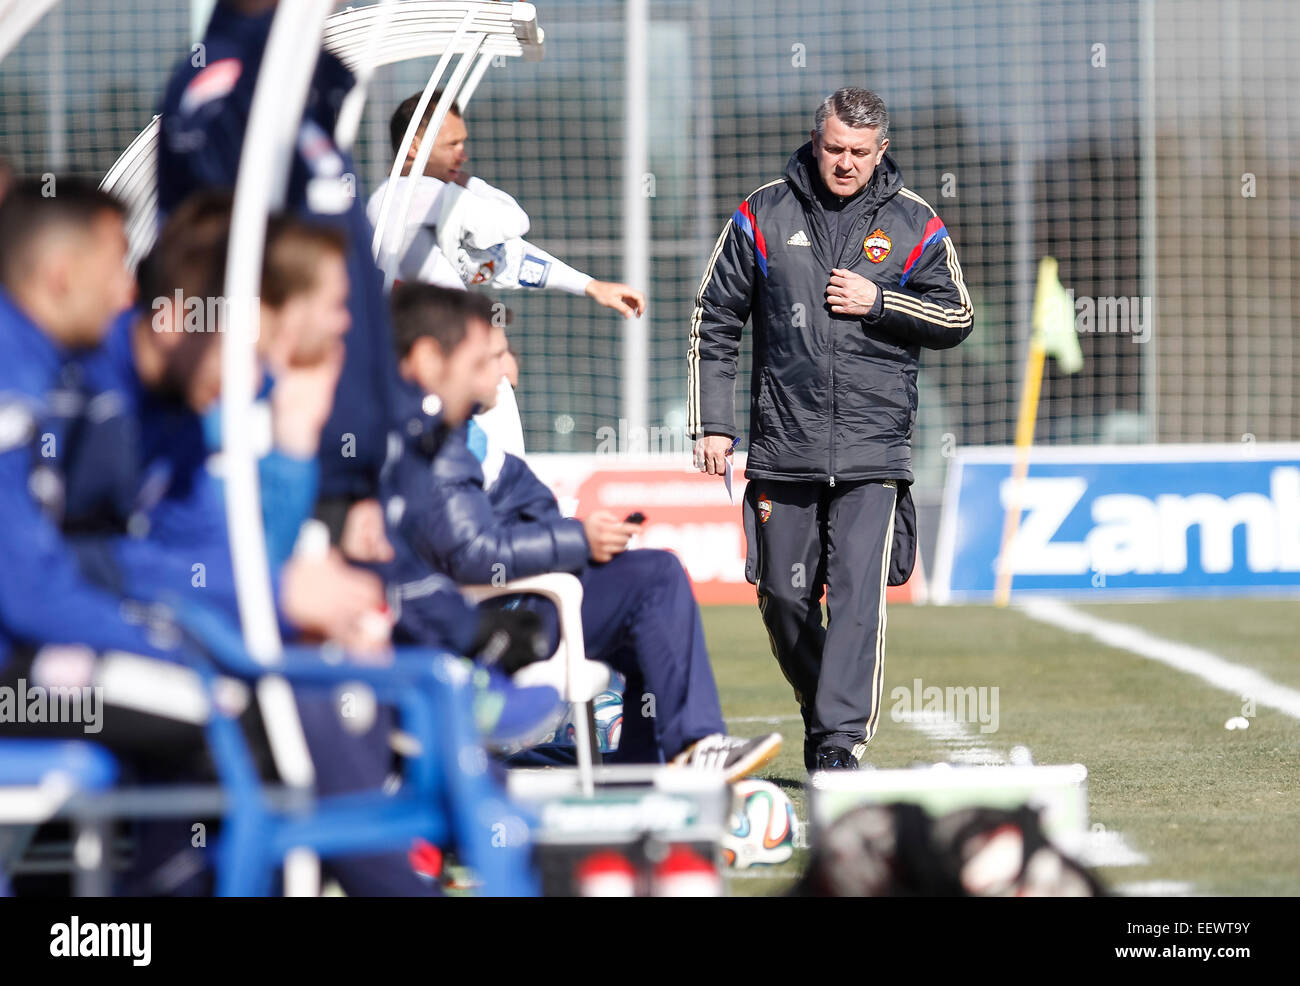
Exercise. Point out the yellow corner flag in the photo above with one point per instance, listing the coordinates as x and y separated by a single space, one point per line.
1054 336
1054 318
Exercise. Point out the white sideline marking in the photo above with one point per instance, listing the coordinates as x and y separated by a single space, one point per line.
1101 847
953 737
1209 667
1213 669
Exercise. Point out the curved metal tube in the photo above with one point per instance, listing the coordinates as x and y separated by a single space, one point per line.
389 265
412 128
349 122
17 18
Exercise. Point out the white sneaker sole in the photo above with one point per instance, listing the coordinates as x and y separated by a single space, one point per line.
760 756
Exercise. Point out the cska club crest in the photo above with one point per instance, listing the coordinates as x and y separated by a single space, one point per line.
877 245
764 508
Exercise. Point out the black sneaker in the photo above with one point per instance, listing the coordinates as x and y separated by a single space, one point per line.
735 756
835 758
809 754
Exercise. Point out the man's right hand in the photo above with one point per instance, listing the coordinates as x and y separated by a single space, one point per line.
627 301
607 535
711 453
301 401
364 538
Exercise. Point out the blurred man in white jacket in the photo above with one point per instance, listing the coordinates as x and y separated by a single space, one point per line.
461 232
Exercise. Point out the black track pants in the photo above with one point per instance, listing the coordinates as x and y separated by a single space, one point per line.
805 537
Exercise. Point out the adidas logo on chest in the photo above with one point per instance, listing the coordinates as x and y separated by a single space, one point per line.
798 239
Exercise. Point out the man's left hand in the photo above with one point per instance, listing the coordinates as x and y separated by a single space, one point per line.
625 300
850 294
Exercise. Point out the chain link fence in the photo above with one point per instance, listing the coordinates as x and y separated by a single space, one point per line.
1150 145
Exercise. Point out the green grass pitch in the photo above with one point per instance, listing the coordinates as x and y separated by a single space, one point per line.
1210 808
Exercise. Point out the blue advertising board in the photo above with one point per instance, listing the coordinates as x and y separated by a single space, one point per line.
1124 520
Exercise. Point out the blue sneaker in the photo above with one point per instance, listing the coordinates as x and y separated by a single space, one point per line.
514 717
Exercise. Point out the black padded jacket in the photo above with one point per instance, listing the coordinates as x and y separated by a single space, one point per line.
833 397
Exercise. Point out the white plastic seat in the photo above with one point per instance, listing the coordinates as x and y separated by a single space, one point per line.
577 679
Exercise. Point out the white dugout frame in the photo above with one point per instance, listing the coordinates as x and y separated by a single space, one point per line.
364 39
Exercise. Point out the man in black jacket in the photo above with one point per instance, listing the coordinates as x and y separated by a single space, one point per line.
846 275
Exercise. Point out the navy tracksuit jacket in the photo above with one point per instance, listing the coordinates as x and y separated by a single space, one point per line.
427 606
44 597
130 457
639 614
205 110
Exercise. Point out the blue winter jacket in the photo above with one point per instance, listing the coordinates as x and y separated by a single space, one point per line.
438 507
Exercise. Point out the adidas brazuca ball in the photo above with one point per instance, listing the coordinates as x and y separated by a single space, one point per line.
761 830
607 707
